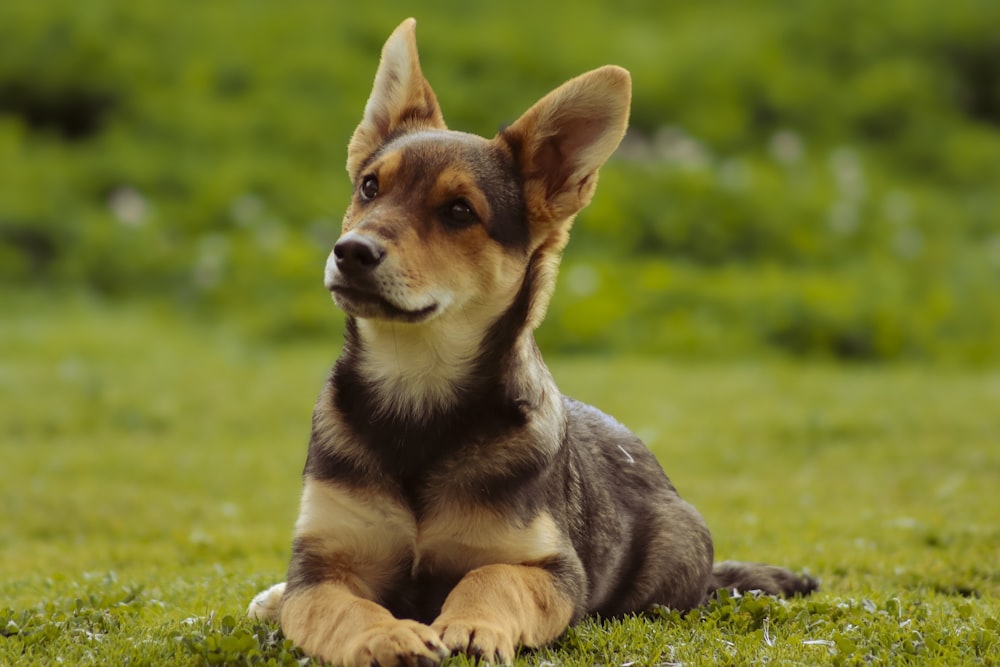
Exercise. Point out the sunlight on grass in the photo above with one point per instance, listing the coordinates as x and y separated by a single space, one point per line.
151 468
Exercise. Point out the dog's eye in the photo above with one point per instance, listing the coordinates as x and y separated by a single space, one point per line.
459 213
369 187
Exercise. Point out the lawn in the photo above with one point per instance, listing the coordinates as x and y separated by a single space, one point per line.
149 483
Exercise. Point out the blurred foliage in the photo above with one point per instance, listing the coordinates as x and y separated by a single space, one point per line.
812 178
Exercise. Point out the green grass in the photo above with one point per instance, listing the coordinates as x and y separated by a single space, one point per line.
149 483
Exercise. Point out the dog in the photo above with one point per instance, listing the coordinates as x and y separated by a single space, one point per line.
454 502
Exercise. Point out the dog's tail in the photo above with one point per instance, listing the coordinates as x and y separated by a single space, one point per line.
734 575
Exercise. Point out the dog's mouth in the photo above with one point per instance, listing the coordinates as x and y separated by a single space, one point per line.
371 305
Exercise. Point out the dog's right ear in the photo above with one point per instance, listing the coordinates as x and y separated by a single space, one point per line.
401 98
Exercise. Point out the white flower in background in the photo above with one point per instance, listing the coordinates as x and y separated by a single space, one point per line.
846 167
786 147
673 146
128 205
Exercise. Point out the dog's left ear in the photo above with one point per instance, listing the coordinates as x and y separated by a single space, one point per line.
562 141
400 98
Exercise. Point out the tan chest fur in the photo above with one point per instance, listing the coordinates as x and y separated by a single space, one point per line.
376 536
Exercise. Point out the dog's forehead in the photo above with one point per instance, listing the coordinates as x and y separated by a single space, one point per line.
439 137
437 149
418 158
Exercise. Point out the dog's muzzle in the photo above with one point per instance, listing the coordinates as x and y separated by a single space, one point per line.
351 276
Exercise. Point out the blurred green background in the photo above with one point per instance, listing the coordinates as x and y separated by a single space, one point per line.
811 180
804 179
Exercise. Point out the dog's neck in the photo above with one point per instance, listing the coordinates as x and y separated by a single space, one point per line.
416 370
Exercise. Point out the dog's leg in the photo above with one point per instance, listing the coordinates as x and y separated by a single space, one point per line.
331 622
496 608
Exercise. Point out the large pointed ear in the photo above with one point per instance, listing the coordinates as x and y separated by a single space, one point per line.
562 141
401 97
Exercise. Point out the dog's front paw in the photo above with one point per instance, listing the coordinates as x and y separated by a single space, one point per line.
398 644
477 639
266 605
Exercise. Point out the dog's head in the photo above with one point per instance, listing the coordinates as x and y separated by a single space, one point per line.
446 224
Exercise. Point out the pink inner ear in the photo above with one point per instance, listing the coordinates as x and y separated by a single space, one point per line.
549 164
563 156
397 105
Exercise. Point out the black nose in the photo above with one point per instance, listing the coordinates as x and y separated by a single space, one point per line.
357 254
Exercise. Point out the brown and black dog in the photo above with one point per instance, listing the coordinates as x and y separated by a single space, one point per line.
454 501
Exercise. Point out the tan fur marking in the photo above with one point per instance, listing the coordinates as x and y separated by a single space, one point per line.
496 608
454 182
464 538
386 167
369 535
332 622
